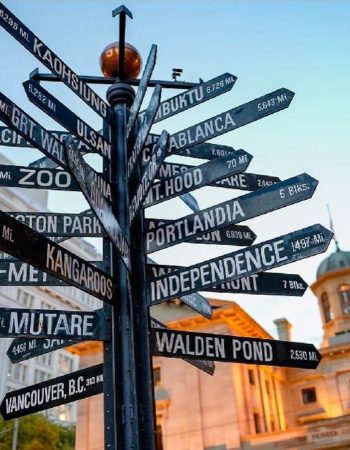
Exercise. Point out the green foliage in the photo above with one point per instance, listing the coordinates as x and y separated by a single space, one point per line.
36 433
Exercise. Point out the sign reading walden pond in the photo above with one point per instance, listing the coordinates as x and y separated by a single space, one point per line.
33 256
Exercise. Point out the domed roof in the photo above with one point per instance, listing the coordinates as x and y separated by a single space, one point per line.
337 260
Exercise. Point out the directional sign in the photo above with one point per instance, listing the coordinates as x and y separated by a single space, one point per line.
22 349
263 283
31 247
206 366
10 138
234 211
230 120
148 176
65 117
54 324
260 257
198 177
61 224
242 181
234 349
141 91
84 176
239 235
145 127
49 59
198 94
190 201
48 394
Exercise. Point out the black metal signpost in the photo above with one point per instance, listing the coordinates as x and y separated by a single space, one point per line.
135 176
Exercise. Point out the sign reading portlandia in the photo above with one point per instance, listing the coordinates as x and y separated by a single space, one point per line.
234 349
84 176
65 117
48 394
206 366
148 176
198 177
144 129
141 91
263 283
54 324
267 255
10 138
231 212
49 59
31 247
239 235
22 349
242 181
198 94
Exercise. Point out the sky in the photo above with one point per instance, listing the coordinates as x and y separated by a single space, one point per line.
302 45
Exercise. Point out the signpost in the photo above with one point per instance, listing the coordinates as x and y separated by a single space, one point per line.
234 349
133 160
65 389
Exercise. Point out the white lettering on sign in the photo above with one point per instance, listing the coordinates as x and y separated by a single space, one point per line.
92 138
7 233
62 263
24 273
218 271
50 323
252 350
202 222
44 178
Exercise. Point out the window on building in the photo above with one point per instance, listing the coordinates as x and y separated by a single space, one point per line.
40 375
156 376
326 307
251 377
272 425
257 423
159 437
25 299
18 372
65 363
45 359
344 295
309 395
267 386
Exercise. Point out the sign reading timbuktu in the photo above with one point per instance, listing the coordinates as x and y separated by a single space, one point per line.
37 48
65 389
54 324
31 247
234 349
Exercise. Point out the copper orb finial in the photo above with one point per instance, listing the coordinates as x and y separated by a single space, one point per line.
109 61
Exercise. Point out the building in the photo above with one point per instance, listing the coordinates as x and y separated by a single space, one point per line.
60 362
245 406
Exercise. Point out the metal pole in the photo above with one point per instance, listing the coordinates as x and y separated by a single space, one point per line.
15 435
120 96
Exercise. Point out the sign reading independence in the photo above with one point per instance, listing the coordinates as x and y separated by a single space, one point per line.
206 366
239 235
260 257
194 96
33 44
31 247
263 283
58 391
234 349
54 324
65 117
234 211
198 177
84 176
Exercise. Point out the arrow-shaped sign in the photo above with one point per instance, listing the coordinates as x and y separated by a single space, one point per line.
260 257
234 349
234 211
84 176
31 247
206 366
194 96
122 11
54 324
263 283
148 176
141 91
198 177
49 59
58 391
65 117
